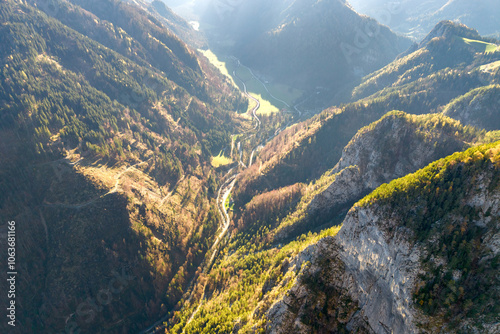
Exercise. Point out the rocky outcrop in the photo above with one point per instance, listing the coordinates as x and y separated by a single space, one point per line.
361 280
368 278
384 267
346 188
322 300
390 148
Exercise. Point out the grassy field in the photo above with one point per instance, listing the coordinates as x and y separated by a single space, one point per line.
251 105
481 46
266 107
236 137
229 206
221 160
256 88
285 93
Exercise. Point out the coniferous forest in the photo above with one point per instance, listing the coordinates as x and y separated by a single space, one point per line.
211 166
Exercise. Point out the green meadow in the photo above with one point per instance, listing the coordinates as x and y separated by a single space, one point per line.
481 46
283 95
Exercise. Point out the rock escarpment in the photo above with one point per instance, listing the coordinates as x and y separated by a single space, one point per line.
437 228
361 281
388 149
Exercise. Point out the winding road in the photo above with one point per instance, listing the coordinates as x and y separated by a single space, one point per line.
225 189
254 110
265 87
228 187
223 194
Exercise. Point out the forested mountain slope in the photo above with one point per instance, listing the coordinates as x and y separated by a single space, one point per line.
175 23
390 148
419 254
447 46
304 43
479 107
310 148
377 215
108 123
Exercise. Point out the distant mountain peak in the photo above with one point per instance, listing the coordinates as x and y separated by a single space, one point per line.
449 28
445 29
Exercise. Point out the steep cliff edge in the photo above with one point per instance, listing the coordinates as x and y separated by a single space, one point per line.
418 255
394 146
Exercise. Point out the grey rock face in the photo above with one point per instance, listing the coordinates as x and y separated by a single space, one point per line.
384 267
366 275
372 268
392 148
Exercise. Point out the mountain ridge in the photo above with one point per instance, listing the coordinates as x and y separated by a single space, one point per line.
324 42
375 261
107 164
332 233
125 158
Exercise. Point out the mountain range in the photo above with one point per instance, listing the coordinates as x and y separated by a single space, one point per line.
362 219
415 18
327 44
152 195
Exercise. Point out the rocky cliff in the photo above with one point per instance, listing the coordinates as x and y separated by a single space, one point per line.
371 277
390 148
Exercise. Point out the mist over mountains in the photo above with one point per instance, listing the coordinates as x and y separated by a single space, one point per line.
305 44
